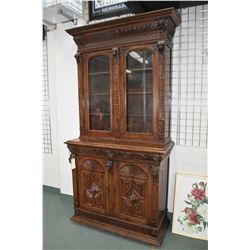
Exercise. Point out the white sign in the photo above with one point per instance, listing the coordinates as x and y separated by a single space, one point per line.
102 3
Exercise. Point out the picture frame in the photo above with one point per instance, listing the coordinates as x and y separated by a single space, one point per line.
190 216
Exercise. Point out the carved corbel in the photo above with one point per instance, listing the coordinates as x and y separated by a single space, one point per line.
108 164
77 57
155 170
71 156
161 46
114 51
79 40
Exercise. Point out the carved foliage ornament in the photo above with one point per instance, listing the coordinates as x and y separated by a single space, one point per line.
154 170
79 39
131 170
161 46
162 25
120 154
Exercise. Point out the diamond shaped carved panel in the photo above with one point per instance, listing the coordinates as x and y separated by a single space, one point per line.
92 191
92 183
132 191
131 198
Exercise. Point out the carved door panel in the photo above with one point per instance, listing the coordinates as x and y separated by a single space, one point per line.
93 185
132 194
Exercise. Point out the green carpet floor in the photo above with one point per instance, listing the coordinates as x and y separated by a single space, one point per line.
59 232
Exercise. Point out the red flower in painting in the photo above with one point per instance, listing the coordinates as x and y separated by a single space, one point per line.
198 194
193 219
187 210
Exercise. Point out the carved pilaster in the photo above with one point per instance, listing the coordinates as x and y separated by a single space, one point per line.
161 77
82 98
116 96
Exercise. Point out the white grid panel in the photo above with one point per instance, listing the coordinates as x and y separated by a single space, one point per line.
189 122
47 143
74 4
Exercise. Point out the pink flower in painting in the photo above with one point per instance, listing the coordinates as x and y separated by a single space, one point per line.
192 217
198 194
195 219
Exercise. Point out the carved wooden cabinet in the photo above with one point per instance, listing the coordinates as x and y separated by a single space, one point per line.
120 181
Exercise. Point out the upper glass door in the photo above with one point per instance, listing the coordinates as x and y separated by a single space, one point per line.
139 91
99 93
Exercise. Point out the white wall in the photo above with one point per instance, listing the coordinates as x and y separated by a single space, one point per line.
185 160
64 105
51 173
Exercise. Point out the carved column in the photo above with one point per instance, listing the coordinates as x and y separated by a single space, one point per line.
116 96
161 78
154 171
79 61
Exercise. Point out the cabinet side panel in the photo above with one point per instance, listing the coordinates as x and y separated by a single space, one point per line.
163 184
75 188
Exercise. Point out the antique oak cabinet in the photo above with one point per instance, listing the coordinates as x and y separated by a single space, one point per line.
120 182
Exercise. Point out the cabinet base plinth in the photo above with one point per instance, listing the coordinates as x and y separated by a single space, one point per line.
153 240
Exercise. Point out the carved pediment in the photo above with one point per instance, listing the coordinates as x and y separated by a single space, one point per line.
163 25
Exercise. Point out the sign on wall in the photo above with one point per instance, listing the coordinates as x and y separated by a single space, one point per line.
104 9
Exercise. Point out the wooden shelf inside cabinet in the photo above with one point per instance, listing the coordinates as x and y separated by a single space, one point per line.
120 183
137 70
139 115
106 114
100 93
99 73
138 93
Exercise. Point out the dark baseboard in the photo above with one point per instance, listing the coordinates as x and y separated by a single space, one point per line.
51 189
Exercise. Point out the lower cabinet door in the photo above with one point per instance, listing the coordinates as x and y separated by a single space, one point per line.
93 185
132 192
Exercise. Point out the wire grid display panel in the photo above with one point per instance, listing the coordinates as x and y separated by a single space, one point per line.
189 114
74 4
47 143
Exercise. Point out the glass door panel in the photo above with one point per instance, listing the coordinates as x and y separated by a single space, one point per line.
99 93
139 93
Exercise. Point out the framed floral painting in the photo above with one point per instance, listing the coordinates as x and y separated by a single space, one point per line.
191 206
